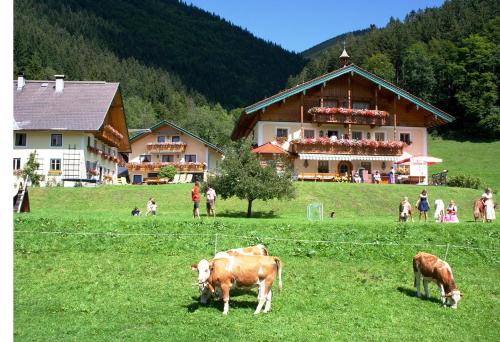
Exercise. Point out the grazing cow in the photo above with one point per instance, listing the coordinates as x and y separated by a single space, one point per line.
238 271
432 268
479 210
244 251
405 210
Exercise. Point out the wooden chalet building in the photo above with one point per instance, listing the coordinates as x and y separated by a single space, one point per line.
77 129
168 144
342 122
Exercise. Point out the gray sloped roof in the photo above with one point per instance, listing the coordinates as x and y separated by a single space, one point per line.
81 106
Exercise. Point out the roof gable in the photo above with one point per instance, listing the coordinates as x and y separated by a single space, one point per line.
81 106
342 71
168 123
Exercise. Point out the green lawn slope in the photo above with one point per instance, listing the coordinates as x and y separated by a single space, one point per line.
480 159
85 269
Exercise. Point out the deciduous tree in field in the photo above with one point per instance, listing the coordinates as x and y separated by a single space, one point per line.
241 175
29 169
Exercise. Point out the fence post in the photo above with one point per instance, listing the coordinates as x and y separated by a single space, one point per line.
446 254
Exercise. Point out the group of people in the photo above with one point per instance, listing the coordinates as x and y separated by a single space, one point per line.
150 208
377 177
210 196
442 214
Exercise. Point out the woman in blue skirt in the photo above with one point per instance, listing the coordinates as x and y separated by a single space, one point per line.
423 205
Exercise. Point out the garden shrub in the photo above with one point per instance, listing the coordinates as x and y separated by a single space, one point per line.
465 181
168 171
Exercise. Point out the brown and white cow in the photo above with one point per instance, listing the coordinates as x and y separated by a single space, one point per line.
238 271
246 251
431 268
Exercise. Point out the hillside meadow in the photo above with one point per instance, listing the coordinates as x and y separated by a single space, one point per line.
478 159
85 269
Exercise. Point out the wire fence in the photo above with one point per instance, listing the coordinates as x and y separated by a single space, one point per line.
216 237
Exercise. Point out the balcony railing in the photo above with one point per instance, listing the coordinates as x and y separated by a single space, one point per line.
175 147
349 116
347 146
156 166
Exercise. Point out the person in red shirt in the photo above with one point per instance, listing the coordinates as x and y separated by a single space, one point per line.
195 197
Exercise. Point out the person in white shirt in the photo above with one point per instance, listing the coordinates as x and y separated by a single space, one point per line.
489 205
210 195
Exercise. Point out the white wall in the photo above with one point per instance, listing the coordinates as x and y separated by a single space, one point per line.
40 142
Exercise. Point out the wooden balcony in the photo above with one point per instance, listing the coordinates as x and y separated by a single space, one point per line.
352 147
156 166
323 115
110 136
174 147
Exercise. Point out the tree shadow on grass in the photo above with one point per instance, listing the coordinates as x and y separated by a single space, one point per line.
243 214
219 303
411 292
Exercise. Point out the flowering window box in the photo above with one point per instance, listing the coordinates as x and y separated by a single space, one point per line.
55 172
177 147
349 116
156 166
347 146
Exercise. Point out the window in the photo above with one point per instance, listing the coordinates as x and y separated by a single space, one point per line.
56 140
379 136
405 137
190 158
17 164
145 158
321 134
152 174
55 164
95 143
360 105
160 138
333 133
20 139
282 132
167 158
357 135
323 166
367 166
88 141
309 133
176 138
329 103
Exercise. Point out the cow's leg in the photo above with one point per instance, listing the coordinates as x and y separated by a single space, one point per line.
262 296
426 288
441 289
269 297
225 296
417 283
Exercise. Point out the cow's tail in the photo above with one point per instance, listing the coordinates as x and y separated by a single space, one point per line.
278 264
264 249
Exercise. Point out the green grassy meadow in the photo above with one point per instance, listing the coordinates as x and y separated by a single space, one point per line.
85 269
480 159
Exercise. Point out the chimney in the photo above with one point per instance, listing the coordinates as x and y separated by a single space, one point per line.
59 83
21 82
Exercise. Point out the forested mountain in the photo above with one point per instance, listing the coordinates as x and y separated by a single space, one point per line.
210 55
316 50
449 56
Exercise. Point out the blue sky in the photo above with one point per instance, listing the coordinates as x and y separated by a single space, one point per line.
298 25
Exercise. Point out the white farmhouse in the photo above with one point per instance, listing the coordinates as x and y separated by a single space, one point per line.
77 129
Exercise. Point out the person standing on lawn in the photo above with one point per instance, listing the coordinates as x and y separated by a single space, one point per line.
423 204
210 195
195 197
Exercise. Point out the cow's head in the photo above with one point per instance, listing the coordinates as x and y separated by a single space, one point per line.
453 298
203 269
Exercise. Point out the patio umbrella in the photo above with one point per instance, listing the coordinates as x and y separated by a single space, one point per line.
421 160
